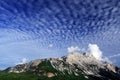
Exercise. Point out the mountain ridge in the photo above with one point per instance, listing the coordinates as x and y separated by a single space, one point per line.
73 64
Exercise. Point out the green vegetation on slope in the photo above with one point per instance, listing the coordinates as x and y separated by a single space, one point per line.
16 76
30 76
45 66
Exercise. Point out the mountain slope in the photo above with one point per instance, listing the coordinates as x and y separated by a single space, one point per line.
74 66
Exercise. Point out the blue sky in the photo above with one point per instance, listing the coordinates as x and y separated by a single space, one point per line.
33 29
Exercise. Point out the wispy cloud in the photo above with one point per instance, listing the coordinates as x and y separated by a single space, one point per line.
73 49
113 56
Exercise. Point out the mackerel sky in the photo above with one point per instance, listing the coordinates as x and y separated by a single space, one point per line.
35 29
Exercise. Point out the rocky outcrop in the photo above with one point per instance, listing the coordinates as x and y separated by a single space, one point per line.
73 63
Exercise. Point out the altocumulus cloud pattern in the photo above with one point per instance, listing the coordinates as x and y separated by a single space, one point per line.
45 28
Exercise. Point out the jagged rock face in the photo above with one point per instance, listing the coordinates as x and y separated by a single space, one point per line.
73 63
32 66
88 63
25 67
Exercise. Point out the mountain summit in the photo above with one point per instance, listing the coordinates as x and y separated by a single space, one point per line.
73 66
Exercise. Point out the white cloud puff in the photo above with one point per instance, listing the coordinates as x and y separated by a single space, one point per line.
73 49
95 51
92 49
24 60
50 45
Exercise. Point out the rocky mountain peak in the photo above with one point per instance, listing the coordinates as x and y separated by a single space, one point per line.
75 63
78 58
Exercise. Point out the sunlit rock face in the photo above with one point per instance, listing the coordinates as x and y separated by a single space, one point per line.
88 63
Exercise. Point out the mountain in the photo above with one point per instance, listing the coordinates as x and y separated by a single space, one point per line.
74 66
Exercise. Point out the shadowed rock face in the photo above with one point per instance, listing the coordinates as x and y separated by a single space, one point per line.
75 63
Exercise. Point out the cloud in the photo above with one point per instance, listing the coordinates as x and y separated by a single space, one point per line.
116 55
106 59
95 51
73 49
50 45
24 60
